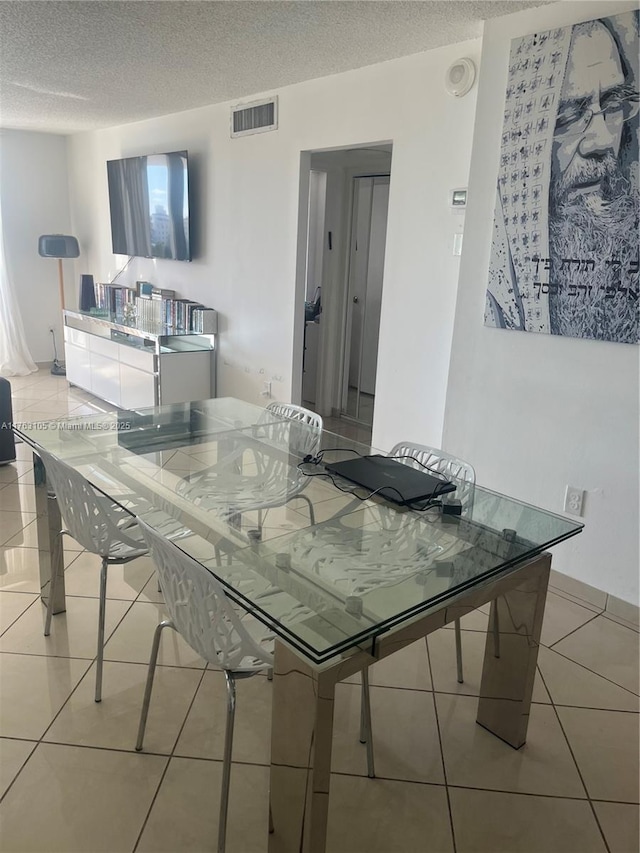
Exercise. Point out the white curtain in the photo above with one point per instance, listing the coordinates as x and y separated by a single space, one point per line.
15 358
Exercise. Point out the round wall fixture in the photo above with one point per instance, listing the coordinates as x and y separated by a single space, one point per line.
460 77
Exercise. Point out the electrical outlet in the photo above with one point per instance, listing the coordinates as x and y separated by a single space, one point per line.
266 389
573 500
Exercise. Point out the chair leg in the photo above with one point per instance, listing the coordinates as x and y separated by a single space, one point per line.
458 650
53 583
496 630
155 648
226 765
366 731
312 515
101 616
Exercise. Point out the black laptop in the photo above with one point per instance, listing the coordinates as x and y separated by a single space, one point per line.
391 479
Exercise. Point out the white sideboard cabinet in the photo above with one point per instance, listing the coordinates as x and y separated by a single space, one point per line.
134 367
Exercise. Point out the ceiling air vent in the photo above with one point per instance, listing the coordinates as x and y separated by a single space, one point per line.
256 117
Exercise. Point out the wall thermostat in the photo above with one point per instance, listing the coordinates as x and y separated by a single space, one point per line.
459 199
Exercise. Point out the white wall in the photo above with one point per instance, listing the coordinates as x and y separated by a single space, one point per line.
538 412
35 200
246 206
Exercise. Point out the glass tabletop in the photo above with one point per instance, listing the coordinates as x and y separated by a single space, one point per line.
324 564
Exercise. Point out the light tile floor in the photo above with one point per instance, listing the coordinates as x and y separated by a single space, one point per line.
71 780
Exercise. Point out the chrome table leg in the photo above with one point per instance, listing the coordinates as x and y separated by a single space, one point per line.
365 723
302 729
507 681
50 550
456 626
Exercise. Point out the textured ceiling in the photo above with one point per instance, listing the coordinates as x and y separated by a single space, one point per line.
71 66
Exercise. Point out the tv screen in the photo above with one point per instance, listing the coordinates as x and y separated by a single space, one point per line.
149 203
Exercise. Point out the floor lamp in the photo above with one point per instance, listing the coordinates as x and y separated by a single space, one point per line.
58 246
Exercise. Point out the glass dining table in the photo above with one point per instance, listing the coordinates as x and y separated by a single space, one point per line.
342 577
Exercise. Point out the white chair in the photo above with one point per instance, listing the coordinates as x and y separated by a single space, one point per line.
220 633
295 413
273 480
303 442
203 615
334 549
101 527
462 474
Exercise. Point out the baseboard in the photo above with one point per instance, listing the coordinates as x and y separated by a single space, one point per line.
595 599
623 611
578 589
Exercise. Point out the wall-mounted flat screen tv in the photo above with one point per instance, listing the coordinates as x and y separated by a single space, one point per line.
149 203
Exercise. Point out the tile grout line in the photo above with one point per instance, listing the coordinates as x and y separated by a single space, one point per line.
172 753
593 672
169 759
444 767
532 794
40 740
22 766
28 607
5 544
395 779
477 695
90 661
575 761
138 663
595 616
575 599
80 680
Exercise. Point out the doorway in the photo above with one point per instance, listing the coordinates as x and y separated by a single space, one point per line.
364 296
343 217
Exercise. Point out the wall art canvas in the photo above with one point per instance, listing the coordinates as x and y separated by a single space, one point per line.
564 254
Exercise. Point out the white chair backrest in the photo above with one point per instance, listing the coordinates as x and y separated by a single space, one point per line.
200 610
303 441
461 473
85 517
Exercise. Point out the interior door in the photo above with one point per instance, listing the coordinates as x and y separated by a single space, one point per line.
368 238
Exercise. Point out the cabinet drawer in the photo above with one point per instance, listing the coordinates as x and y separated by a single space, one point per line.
137 388
142 359
105 378
76 337
78 365
103 346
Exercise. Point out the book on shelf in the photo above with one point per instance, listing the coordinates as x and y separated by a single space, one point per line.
144 289
181 314
156 306
204 321
111 298
190 312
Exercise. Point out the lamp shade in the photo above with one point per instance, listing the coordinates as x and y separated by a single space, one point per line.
58 246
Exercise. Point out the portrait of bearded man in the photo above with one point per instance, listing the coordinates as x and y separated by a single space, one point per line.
565 247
